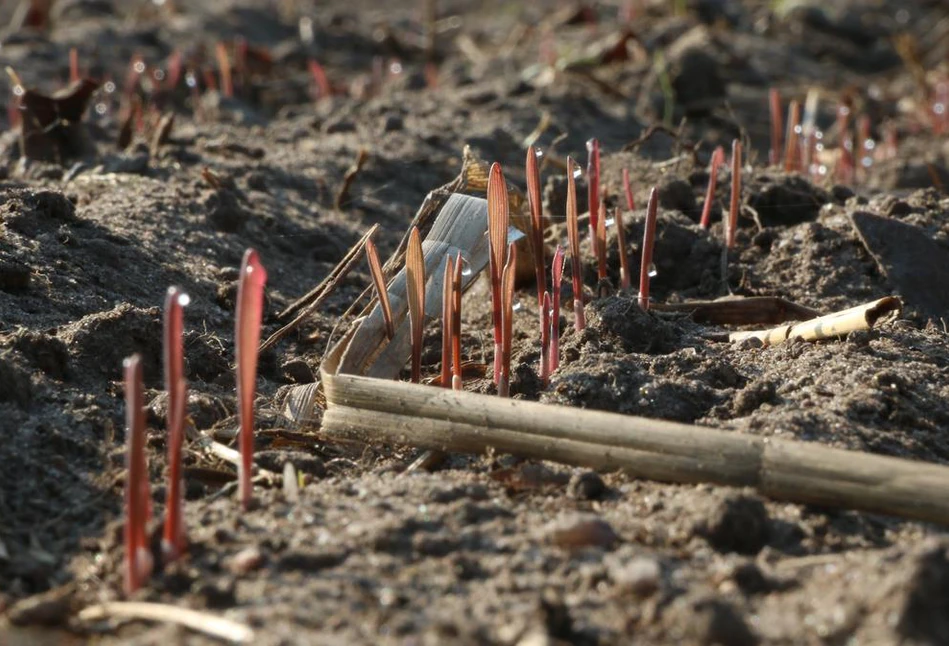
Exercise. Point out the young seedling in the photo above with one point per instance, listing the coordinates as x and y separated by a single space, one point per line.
735 204
379 280
774 100
556 276
844 170
507 320
250 308
573 236
174 541
545 331
624 277
498 219
537 222
415 285
646 268
448 298
138 557
174 65
320 81
628 189
224 67
718 158
593 186
792 152
456 382
73 65
867 145
601 246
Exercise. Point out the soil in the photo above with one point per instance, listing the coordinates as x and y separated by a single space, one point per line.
486 549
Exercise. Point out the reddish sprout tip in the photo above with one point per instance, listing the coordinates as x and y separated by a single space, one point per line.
601 243
74 74
646 268
250 309
732 226
777 127
792 139
556 275
448 298
624 277
138 557
456 382
320 80
718 158
537 221
573 236
224 67
379 281
415 285
498 218
545 331
507 320
174 538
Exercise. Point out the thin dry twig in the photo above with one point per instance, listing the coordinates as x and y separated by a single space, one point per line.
342 196
200 622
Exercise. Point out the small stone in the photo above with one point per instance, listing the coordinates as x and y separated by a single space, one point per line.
297 371
392 123
750 343
586 486
581 530
641 576
247 560
337 125
737 523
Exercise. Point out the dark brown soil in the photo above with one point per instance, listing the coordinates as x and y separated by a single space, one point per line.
475 552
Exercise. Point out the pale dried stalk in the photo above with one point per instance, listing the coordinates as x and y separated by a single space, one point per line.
200 622
831 326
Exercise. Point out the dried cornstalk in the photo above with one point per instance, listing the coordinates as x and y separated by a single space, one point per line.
831 326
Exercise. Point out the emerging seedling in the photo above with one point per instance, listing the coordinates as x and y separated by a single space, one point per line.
624 277
556 275
379 280
448 298
732 227
73 65
456 382
593 186
250 308
774 100
174 541
138 557
573 236
537 222
630 203
545 332
718 158
498 219
792 152
224 67
646 268
845 157
507 320
415 284
320 80
601 244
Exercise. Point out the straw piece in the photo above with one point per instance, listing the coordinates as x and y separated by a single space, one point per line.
200 622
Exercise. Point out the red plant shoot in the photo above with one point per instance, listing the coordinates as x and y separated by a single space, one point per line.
792 151
415 287
507 320
73 65
774 100
537 222
646 268
379 281
628 189
545 331
593 185
718 158
138 557
556 275
498 219
624 278
320 80
573 235
174 541
732 227
456 382
250 309
448 298
174 70
224 67
601 243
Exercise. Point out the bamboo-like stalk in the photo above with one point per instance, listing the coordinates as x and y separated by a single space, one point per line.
379 281
774 102
372 410
573 235
649 239
831 326
624 276
448 298
537 222
732 227
718 158
415 276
